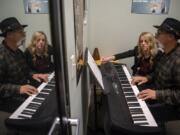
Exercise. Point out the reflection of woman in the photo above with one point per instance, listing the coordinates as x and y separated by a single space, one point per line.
144 54
29 10
39 54
163 6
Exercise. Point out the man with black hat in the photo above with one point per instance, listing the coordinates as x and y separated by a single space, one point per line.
166 76
15 76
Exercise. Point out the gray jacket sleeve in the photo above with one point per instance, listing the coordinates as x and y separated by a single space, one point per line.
172 95
6 89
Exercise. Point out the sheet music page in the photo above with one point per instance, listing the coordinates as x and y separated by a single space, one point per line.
94 68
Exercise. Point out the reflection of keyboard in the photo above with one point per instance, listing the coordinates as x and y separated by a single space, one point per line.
30 106
37 112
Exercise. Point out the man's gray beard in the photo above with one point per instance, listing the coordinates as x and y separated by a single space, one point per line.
160 45
21 44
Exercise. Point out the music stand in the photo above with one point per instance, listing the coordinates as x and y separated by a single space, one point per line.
94 69
97 79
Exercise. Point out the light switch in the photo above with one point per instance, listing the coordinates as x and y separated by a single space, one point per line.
73 66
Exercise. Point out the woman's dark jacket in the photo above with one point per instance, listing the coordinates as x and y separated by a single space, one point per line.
43 64
131 53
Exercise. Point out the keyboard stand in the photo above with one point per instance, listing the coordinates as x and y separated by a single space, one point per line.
95 108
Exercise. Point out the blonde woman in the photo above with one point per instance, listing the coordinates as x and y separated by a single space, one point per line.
39 54
144 54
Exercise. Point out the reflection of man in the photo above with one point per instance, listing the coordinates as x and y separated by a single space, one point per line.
15 77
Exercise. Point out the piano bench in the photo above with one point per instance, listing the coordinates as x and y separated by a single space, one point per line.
172 127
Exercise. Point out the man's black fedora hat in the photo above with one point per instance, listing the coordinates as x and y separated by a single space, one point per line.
10 24
170 25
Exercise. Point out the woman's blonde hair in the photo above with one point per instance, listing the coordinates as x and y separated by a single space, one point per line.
151 41
32 45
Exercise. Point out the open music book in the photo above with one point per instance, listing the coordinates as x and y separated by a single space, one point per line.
94 69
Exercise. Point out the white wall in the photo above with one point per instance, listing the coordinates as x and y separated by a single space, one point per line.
113 29
74 90
35 22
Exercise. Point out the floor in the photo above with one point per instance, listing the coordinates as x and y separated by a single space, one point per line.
95 126
3 116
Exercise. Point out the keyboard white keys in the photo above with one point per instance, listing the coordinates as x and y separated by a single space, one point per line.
140 113
32 103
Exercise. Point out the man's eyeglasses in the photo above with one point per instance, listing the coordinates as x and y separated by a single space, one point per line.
159 32
20 31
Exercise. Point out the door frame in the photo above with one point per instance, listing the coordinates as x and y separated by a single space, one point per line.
56 13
